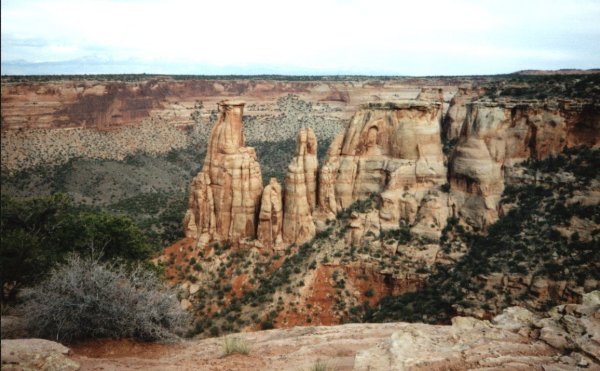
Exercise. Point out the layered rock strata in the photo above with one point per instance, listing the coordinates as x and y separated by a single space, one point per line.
569 338
392 149
457 111
497 135
226 194
300 197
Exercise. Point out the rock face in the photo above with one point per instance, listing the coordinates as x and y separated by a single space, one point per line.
225 195
392 149
300 197
270 219
517 338
514 340
497 135
457 112
476 181
36 354
110 119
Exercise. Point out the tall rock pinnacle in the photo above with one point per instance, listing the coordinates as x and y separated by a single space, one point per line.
225 195
301 190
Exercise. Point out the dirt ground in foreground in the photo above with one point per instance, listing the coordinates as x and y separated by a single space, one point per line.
298 348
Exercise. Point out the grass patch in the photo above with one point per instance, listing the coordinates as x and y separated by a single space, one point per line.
321 366
232 345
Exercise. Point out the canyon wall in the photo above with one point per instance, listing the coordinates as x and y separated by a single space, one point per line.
51 122
393 150
457 111
496 135
335 240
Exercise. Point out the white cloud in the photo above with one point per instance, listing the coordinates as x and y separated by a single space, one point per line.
358 35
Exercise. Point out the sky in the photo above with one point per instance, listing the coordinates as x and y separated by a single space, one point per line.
302 37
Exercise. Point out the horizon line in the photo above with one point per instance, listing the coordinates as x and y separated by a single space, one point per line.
531 72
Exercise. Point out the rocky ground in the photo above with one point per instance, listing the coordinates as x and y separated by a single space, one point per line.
567 338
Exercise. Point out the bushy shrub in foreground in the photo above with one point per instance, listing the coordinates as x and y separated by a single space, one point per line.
85 299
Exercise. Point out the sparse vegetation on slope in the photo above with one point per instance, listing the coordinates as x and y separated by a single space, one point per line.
542 252
547 86
324 281
38 233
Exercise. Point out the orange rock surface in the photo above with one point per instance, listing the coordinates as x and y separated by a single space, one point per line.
496 135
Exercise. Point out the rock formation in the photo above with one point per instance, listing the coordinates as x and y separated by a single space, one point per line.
270 219
36 354
225 195
392 149
200 220
496 135
518 339
457 112
301 190
111 119
567 338
431 95
477 183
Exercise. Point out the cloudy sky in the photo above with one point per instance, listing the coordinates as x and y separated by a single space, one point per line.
420 37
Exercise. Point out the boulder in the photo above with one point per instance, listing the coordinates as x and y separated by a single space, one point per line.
36 354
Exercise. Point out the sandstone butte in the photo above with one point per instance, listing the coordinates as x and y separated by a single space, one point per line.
391 151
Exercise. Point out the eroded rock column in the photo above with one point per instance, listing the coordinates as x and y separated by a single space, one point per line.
231 179
300 193
270 222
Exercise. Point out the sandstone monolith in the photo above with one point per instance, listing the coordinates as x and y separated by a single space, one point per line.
226 194
301 190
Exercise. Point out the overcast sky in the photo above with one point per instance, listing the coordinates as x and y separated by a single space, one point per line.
421 37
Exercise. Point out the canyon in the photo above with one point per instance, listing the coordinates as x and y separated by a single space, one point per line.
393 150
51 122
383 189
367 222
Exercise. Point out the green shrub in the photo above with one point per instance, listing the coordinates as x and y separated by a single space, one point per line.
37 233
